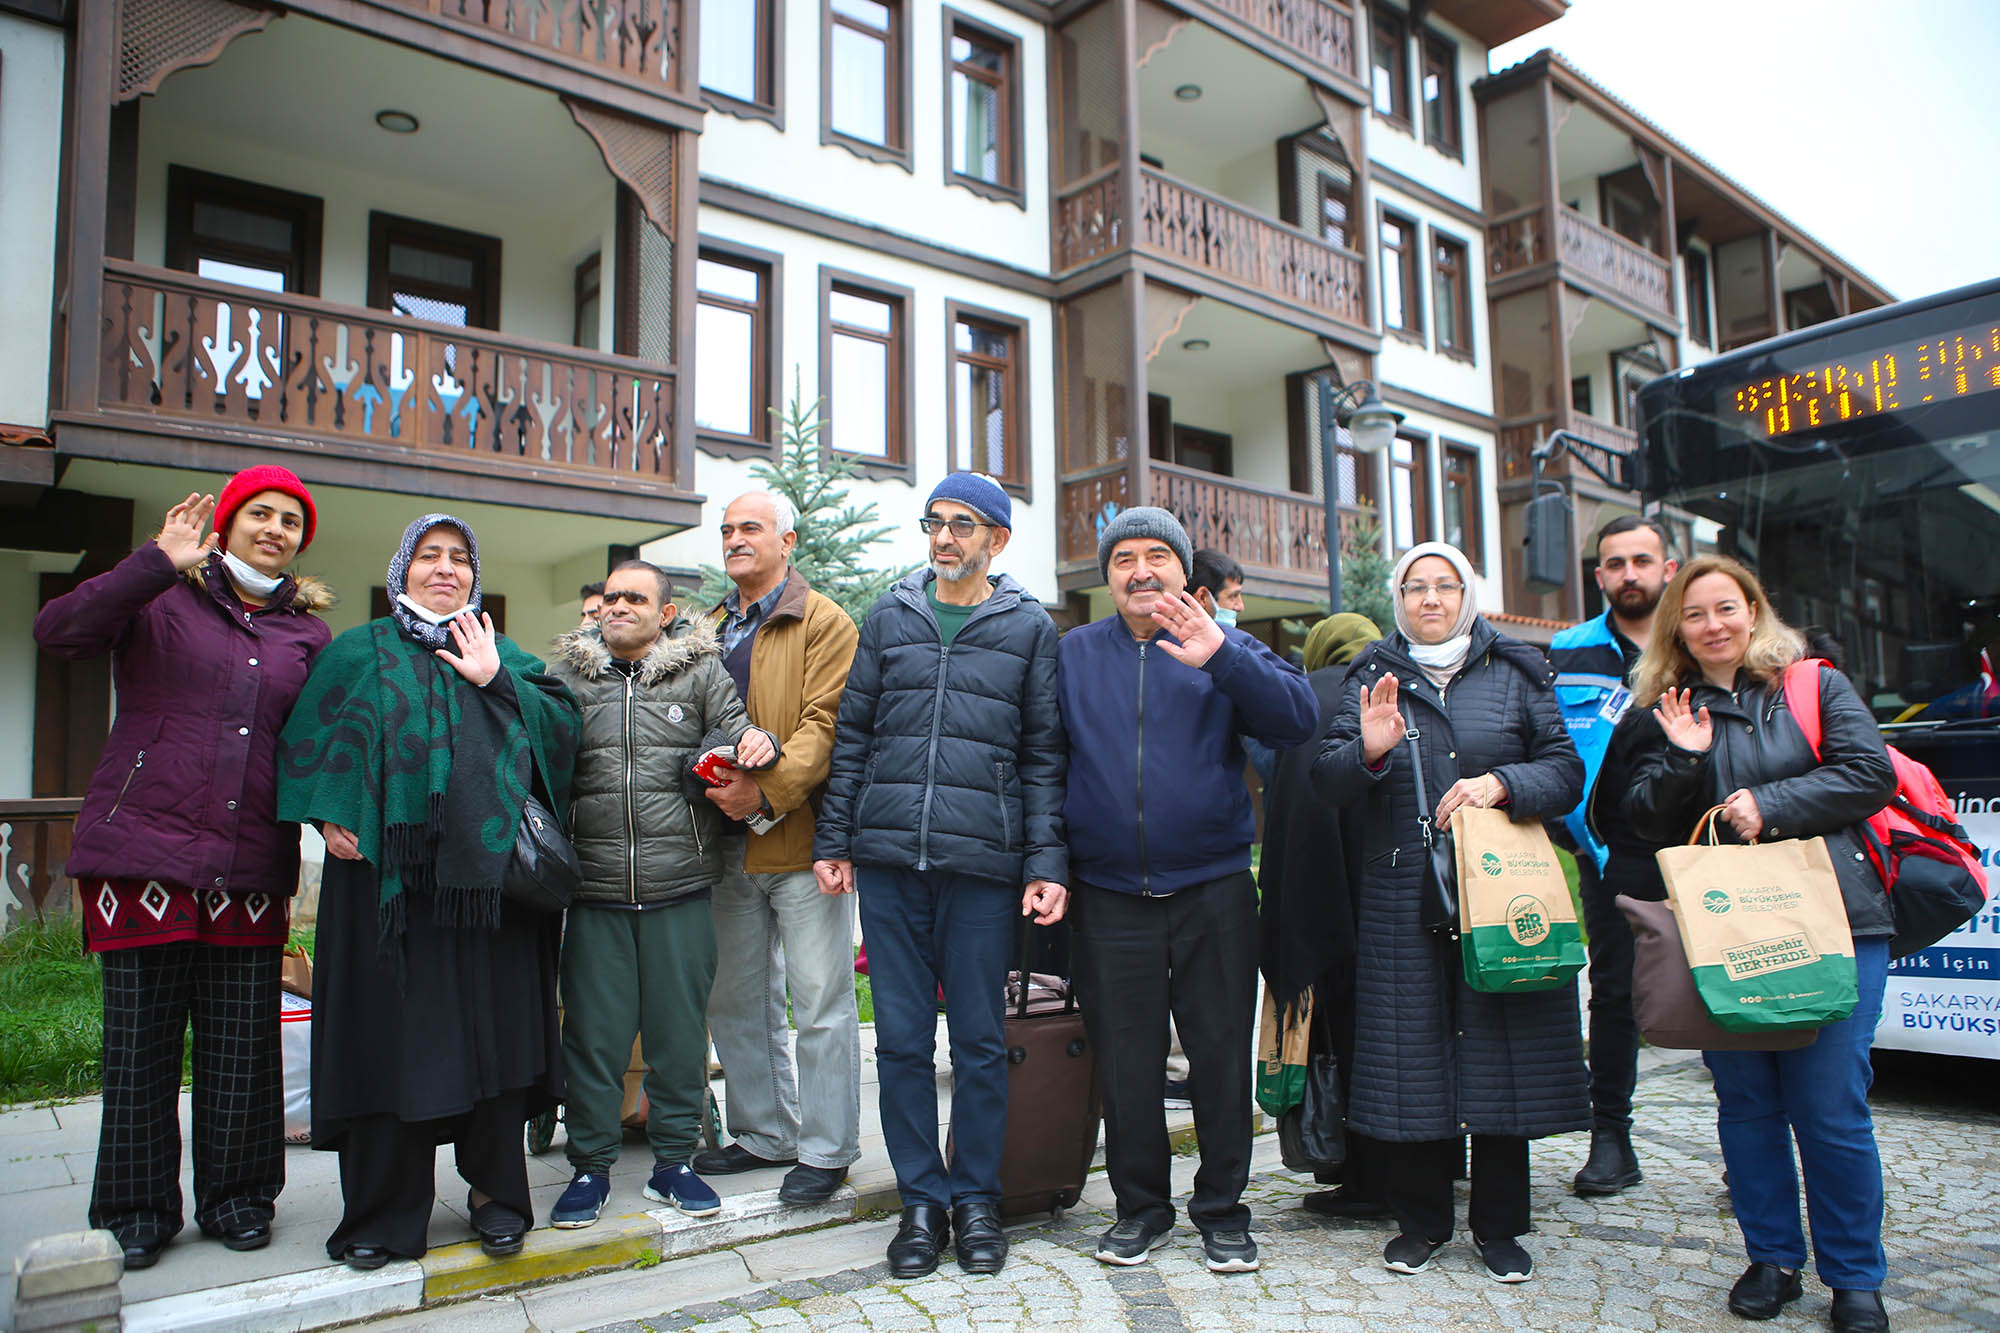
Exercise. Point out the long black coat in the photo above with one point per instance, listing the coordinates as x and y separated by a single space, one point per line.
1434 1058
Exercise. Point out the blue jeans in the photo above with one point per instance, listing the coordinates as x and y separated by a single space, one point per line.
925 929
1817 1095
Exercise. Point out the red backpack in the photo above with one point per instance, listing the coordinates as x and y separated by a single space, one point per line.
1923 855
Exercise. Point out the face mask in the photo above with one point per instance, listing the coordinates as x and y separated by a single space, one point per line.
1225 617
249 578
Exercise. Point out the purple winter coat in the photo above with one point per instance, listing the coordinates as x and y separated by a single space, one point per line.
187 790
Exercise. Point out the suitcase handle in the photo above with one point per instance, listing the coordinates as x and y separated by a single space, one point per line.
1024 936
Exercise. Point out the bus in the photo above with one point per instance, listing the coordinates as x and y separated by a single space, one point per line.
1855 465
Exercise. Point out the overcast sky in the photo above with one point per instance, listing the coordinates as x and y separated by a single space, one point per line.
1873 126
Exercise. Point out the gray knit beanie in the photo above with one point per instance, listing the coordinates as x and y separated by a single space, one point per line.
1144 521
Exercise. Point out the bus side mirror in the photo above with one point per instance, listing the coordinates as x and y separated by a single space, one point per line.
1551 542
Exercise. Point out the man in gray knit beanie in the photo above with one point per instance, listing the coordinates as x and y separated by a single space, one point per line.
1145 521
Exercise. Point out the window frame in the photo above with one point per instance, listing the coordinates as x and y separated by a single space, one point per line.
1012 187
384 229
1412 285
187 186
1700 313
896 91
1464 349
1018 442
900 460
1419 468
766 344
1451 456
1434 44
770 72
1391 27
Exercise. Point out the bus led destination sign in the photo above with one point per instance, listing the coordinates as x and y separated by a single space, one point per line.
1883 379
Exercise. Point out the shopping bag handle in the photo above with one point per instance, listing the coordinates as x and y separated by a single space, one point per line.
1706 822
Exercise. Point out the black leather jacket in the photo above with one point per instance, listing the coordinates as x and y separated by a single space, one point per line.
1758 746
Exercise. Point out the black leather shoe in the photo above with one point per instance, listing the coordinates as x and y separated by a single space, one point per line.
365 1257
734 1160
981 1241
1339 1203
502 1231
1859 1312
806 1183
143 1253
1611 1167
914 1251
254 1236
1764 1290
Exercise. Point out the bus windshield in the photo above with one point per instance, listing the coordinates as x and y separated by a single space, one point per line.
1856 467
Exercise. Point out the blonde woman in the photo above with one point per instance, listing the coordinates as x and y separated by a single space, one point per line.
1711 676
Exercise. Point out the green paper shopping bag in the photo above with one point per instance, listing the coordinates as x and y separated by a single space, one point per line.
1517 922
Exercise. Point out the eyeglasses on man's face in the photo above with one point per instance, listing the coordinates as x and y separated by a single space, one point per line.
1418 591
960 525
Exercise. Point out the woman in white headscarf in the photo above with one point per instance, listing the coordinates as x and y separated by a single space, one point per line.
1435 1060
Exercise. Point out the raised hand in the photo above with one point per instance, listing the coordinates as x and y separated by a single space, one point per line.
1381 721
478 655
1181 616
1684 727
184 536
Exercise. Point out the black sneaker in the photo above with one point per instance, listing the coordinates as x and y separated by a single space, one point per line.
1505 1260
1230 1252
806 1183
1409 1254
1128 1242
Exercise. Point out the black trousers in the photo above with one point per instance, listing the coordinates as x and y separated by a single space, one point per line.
1614 1031
152 993
1192 954
388 1172
1417 1177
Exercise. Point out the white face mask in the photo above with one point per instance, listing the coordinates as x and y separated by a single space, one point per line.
424 613
1225 617
249 578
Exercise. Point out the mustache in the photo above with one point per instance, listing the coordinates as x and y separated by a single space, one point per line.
1145 583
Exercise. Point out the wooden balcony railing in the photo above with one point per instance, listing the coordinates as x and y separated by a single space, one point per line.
1517 240
1628 269
1263 528
212 356
635 41
1608 444
1321 31
34 844
1088 222
1089 500
1206 231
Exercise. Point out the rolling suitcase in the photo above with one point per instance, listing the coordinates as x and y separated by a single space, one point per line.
1052 1092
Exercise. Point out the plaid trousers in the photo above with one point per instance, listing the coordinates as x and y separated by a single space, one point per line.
151 995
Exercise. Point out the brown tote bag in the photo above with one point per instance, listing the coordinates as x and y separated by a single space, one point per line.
1664 1000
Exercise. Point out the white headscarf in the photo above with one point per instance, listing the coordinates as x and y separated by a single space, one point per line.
1437 659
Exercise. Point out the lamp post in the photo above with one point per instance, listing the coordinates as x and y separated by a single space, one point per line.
1371 424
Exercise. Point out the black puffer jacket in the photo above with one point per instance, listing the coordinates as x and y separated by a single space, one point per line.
1758 746
1434 1058
950 758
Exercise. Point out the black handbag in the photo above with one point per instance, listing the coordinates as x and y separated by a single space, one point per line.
543 875
1437 902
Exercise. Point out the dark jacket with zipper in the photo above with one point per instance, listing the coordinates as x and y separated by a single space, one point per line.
951 758
187 789
1433 1058
642 842
1757 746
1156 795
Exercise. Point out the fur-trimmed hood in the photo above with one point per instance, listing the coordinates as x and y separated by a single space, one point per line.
310 594
683 643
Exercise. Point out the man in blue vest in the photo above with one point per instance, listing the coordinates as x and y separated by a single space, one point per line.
1593 663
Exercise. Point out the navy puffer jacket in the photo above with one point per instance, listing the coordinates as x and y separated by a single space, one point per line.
950 758
1434 1058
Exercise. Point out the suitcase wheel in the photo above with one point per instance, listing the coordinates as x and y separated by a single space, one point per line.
1076 1048
1016 1054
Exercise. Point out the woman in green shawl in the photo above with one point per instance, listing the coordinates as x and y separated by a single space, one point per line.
413 749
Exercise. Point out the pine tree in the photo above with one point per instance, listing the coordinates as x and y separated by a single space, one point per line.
1364 576
834 535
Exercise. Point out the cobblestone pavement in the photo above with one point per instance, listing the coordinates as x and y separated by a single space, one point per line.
1661 1257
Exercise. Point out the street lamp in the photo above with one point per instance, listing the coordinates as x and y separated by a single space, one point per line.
1371 425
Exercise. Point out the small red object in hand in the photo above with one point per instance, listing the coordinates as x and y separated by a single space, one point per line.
709 767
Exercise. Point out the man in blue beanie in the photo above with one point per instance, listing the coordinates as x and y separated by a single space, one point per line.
944 808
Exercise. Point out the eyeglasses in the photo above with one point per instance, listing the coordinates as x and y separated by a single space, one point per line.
960 525
625 595
1446 589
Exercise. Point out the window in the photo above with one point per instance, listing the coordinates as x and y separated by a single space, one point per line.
733 331
243 233
589 303
980 110
1701 328
989 423
1451 295
863 102
1579 395
741 60
1461 503
436 273
1409 492
1390 75
1402 311
865 370
1336 201
1441 94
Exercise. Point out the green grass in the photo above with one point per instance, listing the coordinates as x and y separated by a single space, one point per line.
1568 863
51 1023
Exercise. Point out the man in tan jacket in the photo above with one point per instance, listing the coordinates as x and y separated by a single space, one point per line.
788 649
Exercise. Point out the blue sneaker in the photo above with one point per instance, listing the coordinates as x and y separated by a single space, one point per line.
678 1185
582 1201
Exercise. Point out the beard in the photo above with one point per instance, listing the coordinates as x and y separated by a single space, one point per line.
1632 603
969 566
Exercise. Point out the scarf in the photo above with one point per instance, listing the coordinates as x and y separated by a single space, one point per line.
1336 640
430 633
1440 661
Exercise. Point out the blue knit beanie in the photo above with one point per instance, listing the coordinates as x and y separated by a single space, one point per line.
979 493
1144 521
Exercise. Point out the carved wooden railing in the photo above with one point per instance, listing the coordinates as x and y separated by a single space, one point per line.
1206 231
1517 240
1089 501
1628 269
1088 221
1321 31
635 41
1517 440
1607 443
214 356
34 844
1263 528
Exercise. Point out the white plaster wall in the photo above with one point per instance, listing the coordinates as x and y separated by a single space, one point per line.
31 101
1030 557
18 585
1413 366
1252 416
1404 150
795 165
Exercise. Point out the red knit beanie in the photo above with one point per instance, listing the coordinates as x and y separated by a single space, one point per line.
255 480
